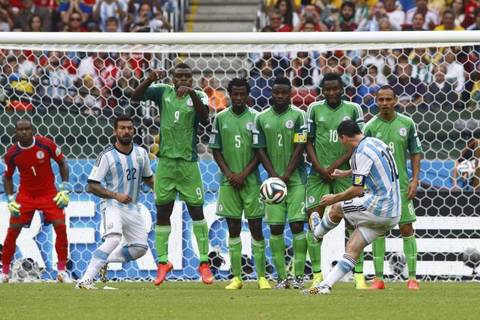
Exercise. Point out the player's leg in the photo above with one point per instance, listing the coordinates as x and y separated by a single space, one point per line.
200 230
277 246
409 242
165 194
61 247
315 189
378 248
235 252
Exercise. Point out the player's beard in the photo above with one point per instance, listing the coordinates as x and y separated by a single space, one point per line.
125 140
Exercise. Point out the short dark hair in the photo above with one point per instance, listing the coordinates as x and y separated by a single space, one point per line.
237 82
387 87
332 76
282 80
23 120
348 4
121 117
182 65
348 128
111 19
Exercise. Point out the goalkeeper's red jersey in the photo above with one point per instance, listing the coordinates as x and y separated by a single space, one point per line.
33 163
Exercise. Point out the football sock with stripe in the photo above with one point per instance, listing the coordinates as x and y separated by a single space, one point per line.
200 229
314 248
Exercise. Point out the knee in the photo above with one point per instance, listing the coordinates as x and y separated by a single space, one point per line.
297 227
113 240
276 229
406 230
196 213
137 251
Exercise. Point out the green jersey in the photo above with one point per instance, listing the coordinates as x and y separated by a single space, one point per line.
232 134
323 122
278 134
178 122
401 137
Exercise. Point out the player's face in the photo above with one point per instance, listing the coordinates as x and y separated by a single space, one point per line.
332 90
386 101
281 95
124 132
239 96
183 77
24 132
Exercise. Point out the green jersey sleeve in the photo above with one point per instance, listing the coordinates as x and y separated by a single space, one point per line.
414 145
311 127
358 116
215 137
258 134
366 130
155 92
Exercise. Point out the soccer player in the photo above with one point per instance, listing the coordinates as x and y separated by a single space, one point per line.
327 154
231 144
122 167
181 110
279 137
372 212
31 155
399 133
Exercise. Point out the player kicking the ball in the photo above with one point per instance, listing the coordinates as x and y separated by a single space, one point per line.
31 155
372 212
231 142
122 166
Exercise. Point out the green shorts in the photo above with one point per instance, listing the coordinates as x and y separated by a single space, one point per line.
408 212
317 188
232 203
292 209
178 176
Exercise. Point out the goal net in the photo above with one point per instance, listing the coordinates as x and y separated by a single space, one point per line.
72 86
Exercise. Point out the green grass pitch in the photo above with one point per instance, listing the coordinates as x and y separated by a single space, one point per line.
193 300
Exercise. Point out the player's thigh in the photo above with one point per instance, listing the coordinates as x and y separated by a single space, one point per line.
408 211
111 220
189 183
276 214
134 226
229 203
316 188
27 210
253 206
50 209
164 184
295 201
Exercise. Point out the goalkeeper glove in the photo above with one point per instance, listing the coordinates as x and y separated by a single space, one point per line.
13 206
62 199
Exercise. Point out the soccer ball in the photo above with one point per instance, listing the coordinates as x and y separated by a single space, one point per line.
273 191
466 169
471 258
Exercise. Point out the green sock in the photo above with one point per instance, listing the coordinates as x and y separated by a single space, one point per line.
235 251
378 248
161 239
299 253
277 245
200 229
410 250
359 264
259 257
314 252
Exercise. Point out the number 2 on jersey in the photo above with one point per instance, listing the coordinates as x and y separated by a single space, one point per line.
131 174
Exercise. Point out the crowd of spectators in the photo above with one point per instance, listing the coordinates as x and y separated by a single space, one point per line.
85 15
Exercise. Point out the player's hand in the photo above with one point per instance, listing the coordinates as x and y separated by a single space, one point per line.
337 173
157 75
237 180
412 189
327 200
183 90
13 206
325 175
123 198
61 198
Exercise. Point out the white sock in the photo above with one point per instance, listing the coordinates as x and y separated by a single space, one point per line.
325 226
100 256
127 253
344 266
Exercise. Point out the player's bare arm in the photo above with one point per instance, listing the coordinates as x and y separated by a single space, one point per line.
200 108
222 164
412 186
97 189
139 91
64 170
251 166
293 162
265 161
337 173
312 156
8 183
337 163
350 193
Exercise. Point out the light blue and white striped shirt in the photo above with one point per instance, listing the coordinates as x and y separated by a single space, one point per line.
373 166
122 173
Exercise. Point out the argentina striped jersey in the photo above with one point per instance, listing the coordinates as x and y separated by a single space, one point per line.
122 173
373 166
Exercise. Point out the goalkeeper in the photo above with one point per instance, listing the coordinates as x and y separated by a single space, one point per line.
31 155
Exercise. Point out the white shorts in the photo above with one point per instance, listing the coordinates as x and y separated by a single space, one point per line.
369 225
127 222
